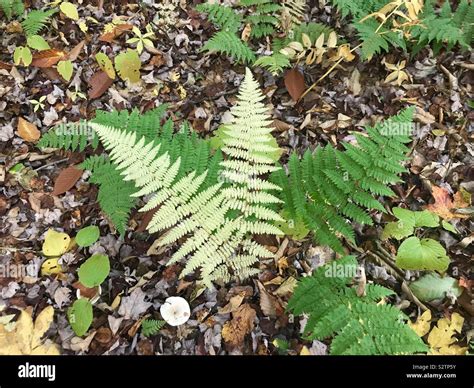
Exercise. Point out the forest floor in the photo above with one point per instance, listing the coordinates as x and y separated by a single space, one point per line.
201 88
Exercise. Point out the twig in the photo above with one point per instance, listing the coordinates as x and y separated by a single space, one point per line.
51 164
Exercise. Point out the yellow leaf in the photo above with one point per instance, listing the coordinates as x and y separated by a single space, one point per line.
24 332
306 40
70 10
55 243
105 64
441 338
305 351
51 267
66 69
25 338
319 42
422 324
128 65
42 323
332 39
245 36
83 27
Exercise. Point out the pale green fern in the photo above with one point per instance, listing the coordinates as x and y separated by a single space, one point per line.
217 222
358 324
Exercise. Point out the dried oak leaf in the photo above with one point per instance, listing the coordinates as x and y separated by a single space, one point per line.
235 330
118 30
48 58
99 83
66 179
294 82
443 204
27 131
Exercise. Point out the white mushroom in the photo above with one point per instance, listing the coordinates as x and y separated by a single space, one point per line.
175 310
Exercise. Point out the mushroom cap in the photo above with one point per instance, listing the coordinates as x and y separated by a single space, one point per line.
175 311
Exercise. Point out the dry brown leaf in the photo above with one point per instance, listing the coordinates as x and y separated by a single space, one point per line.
27 131
74 53
268 303
5 66
118 30
443 204
235 330
48 58
294 82
234 304
66 179
99 83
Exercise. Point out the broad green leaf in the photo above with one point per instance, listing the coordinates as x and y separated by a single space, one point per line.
128 65
449 227
425 254
94 270
70 10
80 316
22 54
105 64
433 286
37 42
404 215
398 230
55 243
426 218
87 236
66 69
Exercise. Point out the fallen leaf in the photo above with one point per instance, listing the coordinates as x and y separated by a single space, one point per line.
55 243
443 204
268 303
66 180
234 304
235 330
294 82
27 131
118 30
99 83
48 58
26 337
74 53
134 305
422 324
51 267
441 338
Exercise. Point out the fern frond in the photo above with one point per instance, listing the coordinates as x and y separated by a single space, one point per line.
151 327
229 44
12 8
262 18
274 63
36 20
223 17
358 325
296 9
328 187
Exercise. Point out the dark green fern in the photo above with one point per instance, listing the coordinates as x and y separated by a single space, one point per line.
223 17
358 325
262 16
329 187
12 8
151 327
231 45
114 193
36 20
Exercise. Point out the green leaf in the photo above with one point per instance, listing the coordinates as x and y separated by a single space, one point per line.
128 65
37 42
433 286
425 254
426 218
87 236
449 227
293 228
80 316
404 215
70 10
22 54
66 69
398 230
94 270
